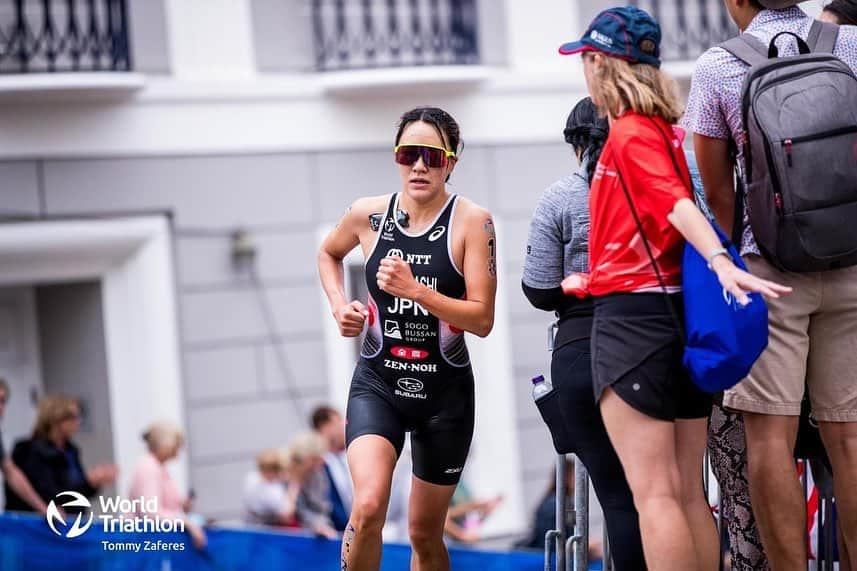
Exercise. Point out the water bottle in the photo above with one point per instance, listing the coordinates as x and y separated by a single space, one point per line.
541 387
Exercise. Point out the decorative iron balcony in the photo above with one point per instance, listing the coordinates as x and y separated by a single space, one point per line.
361 34
64 35
689 27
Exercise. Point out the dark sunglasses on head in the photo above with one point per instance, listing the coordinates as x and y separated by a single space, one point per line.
433 157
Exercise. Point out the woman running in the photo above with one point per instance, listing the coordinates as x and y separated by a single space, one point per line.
431 273
557 246
642 211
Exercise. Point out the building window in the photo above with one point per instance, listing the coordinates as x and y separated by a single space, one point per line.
360 34
64 35
689 28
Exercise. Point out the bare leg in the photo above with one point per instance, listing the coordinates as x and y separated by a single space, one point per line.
426 516
840 441
646 448
691 436
778 501
371 460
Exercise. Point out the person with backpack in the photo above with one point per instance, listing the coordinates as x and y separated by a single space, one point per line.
789 127
641 214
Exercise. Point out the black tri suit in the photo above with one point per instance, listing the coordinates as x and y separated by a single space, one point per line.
414 370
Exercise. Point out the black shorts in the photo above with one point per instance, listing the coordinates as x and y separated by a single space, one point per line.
637 351
441 425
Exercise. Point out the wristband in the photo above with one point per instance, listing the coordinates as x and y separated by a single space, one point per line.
714 254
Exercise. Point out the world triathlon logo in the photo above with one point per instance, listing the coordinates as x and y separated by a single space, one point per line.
54 516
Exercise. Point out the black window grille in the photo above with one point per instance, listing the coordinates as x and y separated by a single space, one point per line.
360 34
689 27
64 35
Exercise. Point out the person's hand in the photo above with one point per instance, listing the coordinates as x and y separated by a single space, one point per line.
197 535
395 277
738 282
469 536
326 531
103 475
350 318
489 506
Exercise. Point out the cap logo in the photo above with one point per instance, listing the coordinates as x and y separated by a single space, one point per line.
601 38
647 47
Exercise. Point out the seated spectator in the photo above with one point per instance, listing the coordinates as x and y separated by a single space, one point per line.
466 514
151 479
544 518
306 462
15 480
328 423
51 461
270 493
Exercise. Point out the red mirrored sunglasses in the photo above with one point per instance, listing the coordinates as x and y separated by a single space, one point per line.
433 157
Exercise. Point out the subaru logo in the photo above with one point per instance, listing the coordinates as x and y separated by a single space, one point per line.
54 516
410 385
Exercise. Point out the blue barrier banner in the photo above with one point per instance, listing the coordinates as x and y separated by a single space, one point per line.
28 544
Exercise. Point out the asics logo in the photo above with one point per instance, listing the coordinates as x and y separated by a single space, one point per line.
436 233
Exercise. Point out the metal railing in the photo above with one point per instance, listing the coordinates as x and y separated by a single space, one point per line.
360 34
64 35
689 27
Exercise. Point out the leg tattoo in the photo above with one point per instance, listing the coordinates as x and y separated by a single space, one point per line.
346 545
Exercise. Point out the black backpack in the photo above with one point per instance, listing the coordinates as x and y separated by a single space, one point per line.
800 127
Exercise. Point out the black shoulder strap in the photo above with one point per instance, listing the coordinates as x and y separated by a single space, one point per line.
747 48
673 314
822 37
391 208
446 217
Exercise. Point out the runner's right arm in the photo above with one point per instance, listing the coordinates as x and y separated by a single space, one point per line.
349 315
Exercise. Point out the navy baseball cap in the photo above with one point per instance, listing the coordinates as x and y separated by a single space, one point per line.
624 32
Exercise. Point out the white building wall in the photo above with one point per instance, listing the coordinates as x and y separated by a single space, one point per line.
233 129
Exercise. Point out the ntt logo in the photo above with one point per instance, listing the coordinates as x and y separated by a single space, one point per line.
54 516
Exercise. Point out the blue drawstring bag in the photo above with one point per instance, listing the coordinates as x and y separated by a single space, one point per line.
723 338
